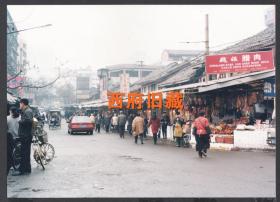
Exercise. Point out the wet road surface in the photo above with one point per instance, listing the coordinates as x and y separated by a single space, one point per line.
103 165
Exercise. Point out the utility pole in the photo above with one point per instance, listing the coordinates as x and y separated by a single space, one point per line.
141 62
206 43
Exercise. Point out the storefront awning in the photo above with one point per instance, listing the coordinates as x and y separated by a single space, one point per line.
237 80
222 83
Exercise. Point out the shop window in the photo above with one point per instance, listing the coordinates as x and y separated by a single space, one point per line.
132 73
115 74
153 87
145 73
213 77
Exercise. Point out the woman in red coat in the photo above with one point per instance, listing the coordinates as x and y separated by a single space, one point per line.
155 125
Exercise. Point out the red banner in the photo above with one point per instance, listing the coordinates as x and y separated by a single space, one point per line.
239 62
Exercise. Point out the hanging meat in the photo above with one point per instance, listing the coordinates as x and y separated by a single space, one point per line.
238 102
217 102
199 101
246 106
242 102
252 99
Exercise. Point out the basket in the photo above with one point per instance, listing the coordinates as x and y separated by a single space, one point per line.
43 137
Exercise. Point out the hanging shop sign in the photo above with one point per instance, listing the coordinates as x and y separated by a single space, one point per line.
269 87
239 62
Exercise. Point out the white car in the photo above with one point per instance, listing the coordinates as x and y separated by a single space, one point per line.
271 134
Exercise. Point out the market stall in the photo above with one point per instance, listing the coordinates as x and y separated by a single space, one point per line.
230 103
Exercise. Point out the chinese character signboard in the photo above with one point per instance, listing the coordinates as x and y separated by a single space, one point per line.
239 62
269 87
174 100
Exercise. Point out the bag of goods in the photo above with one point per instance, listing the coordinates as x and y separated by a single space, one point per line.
240 127
178 130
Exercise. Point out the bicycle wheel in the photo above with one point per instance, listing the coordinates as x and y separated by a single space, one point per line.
16 156
48 152
38 159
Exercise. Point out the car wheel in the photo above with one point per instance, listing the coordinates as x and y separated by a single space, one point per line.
68 132
72 133
91 132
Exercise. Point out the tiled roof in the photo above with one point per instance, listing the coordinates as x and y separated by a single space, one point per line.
261 41
131 66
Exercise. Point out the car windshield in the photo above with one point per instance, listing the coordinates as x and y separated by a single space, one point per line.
81 119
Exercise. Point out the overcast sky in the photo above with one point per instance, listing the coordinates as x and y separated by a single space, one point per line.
98 36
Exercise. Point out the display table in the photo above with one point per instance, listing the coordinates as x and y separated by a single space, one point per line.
251 139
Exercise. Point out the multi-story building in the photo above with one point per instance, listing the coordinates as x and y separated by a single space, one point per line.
12 46
12 53
120 77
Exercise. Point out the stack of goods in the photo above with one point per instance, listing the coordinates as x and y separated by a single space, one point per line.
222 128
195 104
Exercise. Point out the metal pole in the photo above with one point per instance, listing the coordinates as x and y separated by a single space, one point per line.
206 42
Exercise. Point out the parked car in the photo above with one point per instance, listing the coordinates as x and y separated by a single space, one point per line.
80 124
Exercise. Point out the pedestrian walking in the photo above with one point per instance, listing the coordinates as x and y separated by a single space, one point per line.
165 121
25 135
138 128
13 122
155 126
146 122
107 120
114 122
178 130
98 123
129 123
92 119
202 134
121 123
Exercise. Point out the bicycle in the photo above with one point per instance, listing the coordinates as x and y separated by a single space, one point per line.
43 152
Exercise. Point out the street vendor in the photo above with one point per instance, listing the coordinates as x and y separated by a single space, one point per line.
178 129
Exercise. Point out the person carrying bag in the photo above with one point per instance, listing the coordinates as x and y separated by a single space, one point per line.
202 134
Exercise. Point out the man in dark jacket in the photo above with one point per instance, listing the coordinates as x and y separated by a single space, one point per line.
121 124
98 123
10 147
129 123
165 121
107 120
25 135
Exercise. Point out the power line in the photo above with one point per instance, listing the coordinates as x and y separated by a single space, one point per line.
42 26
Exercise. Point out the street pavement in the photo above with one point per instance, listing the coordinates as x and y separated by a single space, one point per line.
103 165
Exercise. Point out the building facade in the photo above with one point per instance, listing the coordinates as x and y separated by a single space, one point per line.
12 46
118 78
